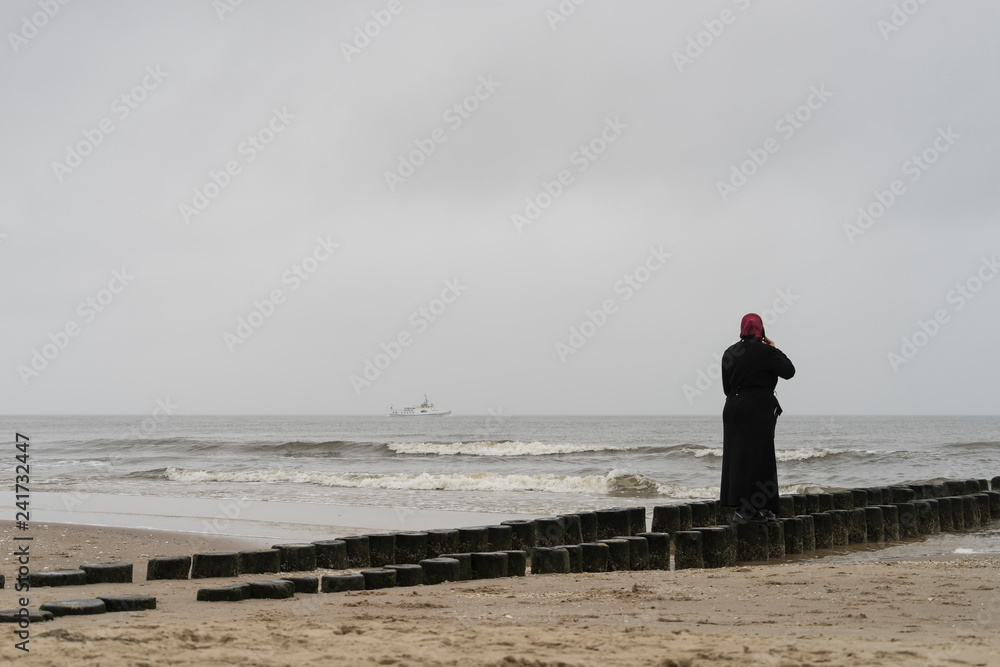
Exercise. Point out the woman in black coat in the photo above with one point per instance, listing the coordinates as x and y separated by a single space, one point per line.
750 371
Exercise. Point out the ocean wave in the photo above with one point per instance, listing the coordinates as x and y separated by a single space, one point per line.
616 482
972 445
210 445
291 449
297 448
712 492
86 463
802 488
784 454
155 473
505 448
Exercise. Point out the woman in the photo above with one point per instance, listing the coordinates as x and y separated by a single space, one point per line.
750 371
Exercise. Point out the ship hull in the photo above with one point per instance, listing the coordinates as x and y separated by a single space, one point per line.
420 413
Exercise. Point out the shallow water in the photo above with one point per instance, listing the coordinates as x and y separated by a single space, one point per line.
533 465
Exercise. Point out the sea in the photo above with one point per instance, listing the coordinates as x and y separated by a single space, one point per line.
491 463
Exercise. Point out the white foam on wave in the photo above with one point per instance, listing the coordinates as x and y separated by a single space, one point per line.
489 448
782 454
800 489
79 462
688 492
614 482
701 451
712 492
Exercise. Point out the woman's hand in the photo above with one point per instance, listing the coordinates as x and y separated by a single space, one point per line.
768 341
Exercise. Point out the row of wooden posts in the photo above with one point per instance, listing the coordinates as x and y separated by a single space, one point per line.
807 522
696 534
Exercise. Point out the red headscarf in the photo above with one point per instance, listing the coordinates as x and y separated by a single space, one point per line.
752 325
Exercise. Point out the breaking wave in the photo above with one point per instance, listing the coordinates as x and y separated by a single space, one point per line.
616 482
506 448
784 454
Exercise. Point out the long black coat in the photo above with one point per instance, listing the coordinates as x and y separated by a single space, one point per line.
750 371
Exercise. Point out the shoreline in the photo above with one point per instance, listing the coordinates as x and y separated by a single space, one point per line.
233 517
57 546
265 523
896 612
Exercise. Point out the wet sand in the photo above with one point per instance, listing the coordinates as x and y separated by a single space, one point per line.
943 611
268 520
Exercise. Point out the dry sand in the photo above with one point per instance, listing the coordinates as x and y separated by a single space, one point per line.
930 612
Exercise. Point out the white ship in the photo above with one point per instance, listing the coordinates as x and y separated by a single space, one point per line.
425 409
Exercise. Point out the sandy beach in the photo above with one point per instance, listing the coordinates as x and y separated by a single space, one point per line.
603 285
943 611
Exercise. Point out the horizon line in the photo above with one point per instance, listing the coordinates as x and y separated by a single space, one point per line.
471 414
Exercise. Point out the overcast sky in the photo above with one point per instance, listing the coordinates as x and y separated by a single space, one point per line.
174 162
